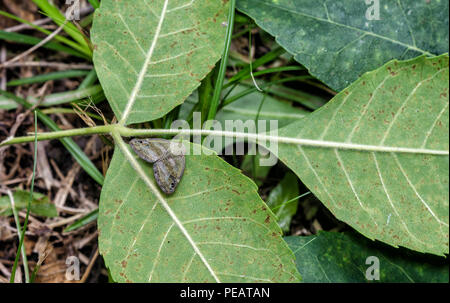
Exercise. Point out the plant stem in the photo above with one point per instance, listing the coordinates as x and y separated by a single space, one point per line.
257 138
19 234
22 237
223 64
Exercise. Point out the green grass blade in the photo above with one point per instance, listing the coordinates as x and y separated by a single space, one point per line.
95 4
59 38
19 248
270 56
48 77
90 79
54 13
223 64
253 88
90 217
25 39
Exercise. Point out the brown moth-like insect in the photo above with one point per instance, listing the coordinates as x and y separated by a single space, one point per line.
168 167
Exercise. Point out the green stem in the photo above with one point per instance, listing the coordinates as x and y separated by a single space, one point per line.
119 129
223 64
22 237
19 234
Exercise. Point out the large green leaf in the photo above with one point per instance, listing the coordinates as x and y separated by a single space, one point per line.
377 154
150 55
341 257
336 42
215 227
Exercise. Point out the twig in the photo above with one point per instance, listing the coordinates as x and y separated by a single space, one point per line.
66 221
89 267
35 47
3 72
23 26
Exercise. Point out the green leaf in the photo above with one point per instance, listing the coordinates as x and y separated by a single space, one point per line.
377 154
285 191
150 56
40 205
215 227
341 258
248 108
337 43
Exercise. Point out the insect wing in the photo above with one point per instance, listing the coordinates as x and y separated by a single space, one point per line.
168 172
150 150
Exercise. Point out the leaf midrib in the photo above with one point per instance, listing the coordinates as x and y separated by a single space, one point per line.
145 66
122 145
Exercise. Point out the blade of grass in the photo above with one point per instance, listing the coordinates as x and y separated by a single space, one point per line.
269 57
19 234
54 13
205 92
253 89
223 64
270 71
25 39
290 201
68 143
89 80
48 77
35 270
90 217
22 237
59 38
250 59
307 100
95 4
34 48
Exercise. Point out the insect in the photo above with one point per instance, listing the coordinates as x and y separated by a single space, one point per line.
167 158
